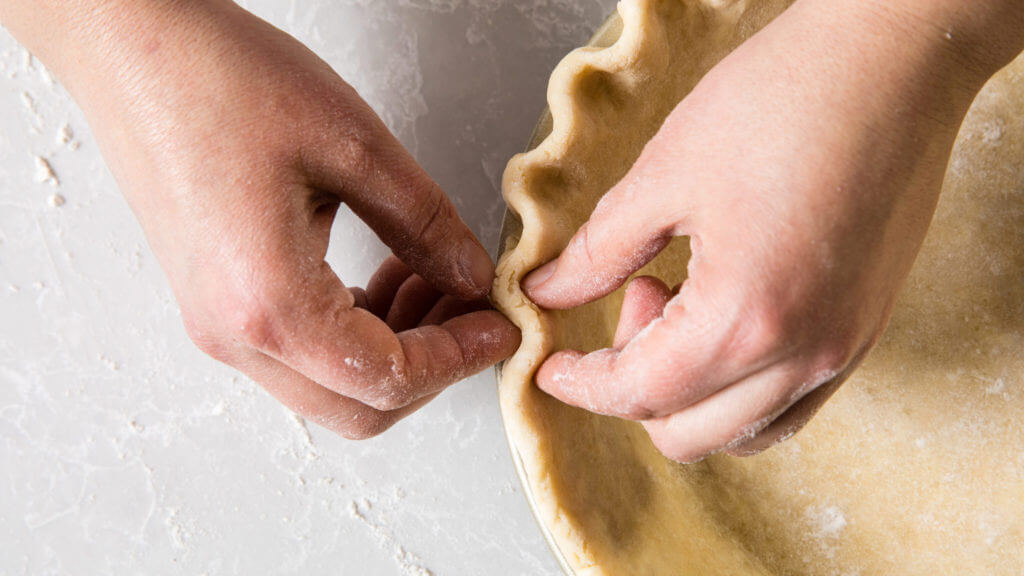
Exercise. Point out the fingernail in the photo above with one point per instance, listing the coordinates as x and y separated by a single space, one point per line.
476 266
539 276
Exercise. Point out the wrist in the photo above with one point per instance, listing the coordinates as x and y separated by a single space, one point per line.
983 35
97 48
972 39
897 55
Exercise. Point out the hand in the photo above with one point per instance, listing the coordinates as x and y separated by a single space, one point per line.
805 169
235 146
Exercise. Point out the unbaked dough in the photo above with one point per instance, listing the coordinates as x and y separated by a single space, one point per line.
915 467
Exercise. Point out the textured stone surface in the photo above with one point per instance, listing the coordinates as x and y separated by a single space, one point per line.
125 450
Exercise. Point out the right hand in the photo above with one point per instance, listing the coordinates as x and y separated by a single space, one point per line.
235 145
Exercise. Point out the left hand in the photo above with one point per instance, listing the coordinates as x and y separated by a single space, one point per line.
805 168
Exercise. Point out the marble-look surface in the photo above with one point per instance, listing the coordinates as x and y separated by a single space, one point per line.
124 450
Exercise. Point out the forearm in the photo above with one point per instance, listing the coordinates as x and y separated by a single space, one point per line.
894 60
106 52
986 34
69 34
975 37
139 68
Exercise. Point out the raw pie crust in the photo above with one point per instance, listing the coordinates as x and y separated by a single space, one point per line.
916 466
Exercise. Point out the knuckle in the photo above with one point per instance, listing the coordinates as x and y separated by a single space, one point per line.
253 326
205 339
359 150
760 336
583 253
587 252
835 354
394 388
810 344
362 425
640 412
673 449
357 131
238 318
648 403
392 400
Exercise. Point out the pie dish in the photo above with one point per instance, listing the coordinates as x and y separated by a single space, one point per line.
916 466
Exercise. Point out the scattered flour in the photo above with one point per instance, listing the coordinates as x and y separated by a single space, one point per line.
176 532
307 438
407 562
997 387
110 363
992 132
45 172
65 135
29 103
826 524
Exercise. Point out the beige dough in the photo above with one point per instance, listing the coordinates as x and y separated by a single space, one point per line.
916 467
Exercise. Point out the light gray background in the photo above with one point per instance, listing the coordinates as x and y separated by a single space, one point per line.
125 450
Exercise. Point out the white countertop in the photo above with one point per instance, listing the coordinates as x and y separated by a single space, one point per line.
125 450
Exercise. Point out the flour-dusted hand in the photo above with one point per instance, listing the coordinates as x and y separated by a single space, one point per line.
235 146
805 169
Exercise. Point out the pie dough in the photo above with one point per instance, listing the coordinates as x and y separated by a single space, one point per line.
915 467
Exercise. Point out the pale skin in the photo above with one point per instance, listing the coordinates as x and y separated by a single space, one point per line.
805 168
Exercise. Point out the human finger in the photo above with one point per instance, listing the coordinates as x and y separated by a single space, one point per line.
732 417
705 338
354 353
624 232
385 187
644 301
384 284
414 299
359 299
449 307
822 387
344 416
684 355
789 423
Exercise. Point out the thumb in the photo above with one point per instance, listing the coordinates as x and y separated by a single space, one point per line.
621 236
387 189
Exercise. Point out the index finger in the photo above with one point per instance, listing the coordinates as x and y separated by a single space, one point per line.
676 360
368 169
